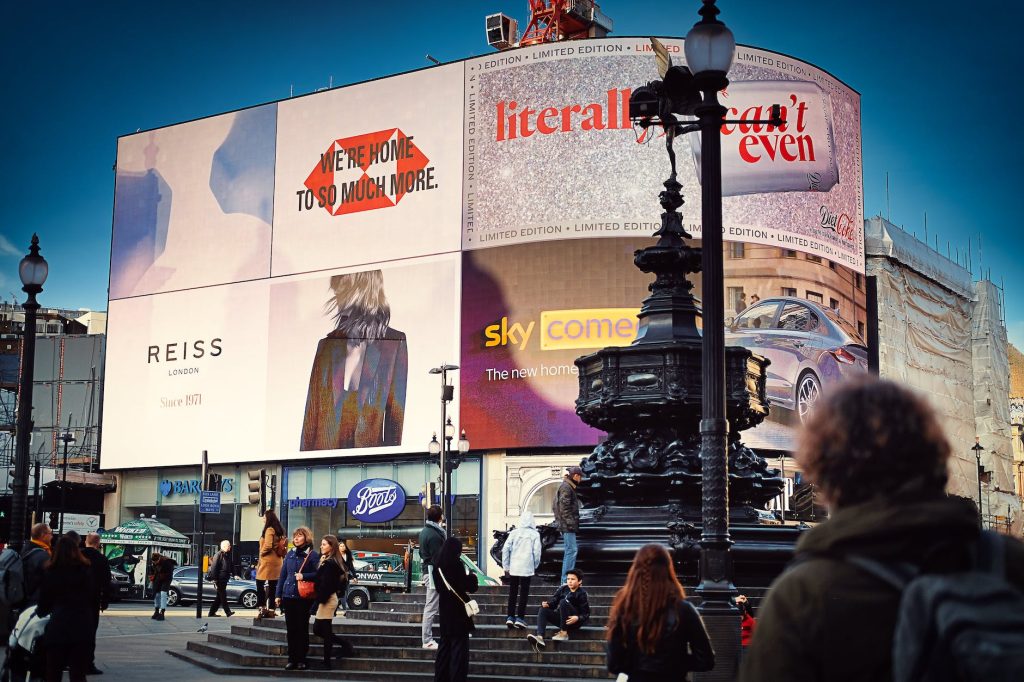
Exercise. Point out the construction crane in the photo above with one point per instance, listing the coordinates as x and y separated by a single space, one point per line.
550 21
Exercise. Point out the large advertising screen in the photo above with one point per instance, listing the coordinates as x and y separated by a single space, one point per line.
284 277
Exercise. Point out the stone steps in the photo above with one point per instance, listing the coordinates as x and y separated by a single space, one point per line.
262 655
387 641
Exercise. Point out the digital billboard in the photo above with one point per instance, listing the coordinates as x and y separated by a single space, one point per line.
283 277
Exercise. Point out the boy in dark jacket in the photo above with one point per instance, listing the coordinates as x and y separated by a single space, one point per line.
569 608
219 574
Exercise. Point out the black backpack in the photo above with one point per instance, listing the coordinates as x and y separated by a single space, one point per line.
962 627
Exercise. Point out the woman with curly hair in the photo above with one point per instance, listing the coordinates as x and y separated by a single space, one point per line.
879 457
654 634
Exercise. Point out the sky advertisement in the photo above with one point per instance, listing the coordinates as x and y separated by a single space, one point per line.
283 277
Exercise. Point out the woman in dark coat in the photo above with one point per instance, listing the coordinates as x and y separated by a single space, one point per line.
331 578
453 585
67 595
654 634
348 562
299 565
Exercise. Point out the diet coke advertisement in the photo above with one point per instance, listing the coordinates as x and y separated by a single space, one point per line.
550 152
798 156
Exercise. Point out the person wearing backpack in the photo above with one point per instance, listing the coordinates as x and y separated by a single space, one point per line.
879 457
34 557
273 547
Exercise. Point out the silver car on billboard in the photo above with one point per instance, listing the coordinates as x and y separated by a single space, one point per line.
810 347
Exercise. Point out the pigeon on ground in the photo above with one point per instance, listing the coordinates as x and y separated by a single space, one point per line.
206 626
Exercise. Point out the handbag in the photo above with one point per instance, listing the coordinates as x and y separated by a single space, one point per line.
307 589
472 608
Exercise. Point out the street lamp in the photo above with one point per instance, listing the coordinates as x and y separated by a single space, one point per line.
447 394
33 270
66 437
977 454
710 49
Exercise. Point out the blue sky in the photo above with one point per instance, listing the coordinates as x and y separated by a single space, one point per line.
940 100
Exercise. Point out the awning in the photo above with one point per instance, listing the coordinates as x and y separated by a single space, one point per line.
145 532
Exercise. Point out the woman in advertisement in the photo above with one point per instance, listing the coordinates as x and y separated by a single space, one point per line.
273 547
357 385
298 568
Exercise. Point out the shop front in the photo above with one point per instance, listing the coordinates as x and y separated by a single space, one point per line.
171 496
380 506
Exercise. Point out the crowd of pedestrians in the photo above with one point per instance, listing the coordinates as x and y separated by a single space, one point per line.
837 613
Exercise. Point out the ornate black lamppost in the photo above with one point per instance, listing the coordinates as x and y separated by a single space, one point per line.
449 463
33 270
710 49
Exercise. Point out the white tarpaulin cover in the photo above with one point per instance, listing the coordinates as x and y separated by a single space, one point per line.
991 401
924 334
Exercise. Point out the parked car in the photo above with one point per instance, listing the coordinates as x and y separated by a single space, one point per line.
810 348
120 585
183 589
378 574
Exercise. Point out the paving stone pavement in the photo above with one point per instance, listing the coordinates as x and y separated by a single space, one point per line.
132 646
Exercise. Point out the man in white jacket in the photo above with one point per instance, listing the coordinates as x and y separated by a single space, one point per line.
520 557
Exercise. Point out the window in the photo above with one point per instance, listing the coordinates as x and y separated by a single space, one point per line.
52 329
787 291
833 304
736 250
759 316
543 499
788 253
860 329
814 297
831 265
797 318
813 259
857 280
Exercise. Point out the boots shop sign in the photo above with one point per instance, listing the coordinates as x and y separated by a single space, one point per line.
376 500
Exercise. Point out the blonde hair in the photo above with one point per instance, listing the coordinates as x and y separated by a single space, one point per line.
359 307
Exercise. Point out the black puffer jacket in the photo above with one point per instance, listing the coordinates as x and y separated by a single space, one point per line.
684 647
826 620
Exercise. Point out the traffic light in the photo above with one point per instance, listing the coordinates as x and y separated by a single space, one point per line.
258 488
213 482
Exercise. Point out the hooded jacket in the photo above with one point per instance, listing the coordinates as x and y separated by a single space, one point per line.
521 554
826 619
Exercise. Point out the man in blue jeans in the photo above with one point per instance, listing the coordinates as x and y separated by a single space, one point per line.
566 508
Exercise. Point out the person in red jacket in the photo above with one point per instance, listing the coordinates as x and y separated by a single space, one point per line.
747 620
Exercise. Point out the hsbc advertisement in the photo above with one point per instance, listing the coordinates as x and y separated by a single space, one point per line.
283 277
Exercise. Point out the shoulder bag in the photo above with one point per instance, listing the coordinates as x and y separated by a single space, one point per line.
472 608
307 588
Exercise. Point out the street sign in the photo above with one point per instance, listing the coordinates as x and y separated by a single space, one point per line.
209 502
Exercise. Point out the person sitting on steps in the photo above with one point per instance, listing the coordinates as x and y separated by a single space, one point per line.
569 608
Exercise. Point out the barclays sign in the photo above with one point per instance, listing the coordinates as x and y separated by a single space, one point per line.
376 500
190 487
